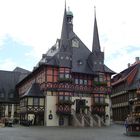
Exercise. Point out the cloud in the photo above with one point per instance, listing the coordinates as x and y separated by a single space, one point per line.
36 24
7 64
16 52
118 60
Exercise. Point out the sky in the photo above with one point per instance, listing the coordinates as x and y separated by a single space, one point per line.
28 28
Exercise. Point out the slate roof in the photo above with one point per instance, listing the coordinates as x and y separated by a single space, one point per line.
34 91
130 76
21 70
8 81
81 59
96 41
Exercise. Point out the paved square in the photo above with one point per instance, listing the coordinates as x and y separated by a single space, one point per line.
114 132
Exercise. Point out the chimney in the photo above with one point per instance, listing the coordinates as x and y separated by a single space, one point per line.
137 59
129 65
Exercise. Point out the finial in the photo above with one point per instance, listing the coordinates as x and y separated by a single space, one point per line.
65 4
94 11
68 8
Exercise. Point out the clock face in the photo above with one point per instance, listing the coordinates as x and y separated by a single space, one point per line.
75 43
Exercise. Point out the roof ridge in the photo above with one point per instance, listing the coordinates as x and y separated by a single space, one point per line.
124 78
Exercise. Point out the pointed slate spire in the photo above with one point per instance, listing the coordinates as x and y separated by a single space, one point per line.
96 42
64 32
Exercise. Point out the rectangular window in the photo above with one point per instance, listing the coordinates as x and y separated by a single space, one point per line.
67 75
30 101
85 82
76 81
61 75
66 98
21 103
25 102
102 100
36 101
96 79
61 98
96 99
101 77
49 78
64 73
81 81
41 101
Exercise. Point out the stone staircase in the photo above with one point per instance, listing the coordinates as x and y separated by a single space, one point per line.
77 119
86 120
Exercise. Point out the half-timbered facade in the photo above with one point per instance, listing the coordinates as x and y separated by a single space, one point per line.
74 80
125 87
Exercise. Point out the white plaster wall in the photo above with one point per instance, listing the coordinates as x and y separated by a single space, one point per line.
107 109
88 101
51 105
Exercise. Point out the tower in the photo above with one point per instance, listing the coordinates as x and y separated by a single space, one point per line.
65 54
96 58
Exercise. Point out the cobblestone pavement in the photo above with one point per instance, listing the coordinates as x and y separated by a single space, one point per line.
113 132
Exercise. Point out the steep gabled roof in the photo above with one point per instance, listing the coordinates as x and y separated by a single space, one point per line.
8 81
80 59
128 75
108 70
34 91
21 70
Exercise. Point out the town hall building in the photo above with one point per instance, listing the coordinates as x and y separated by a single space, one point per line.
70 85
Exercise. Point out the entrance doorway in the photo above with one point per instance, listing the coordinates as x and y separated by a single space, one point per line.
79 104
39 119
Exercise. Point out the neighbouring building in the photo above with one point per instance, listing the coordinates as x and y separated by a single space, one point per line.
125 90
70 85
9 98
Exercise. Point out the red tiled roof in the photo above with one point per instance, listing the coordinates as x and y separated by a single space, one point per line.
129 77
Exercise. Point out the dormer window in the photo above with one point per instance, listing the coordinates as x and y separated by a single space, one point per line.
67 58
80 62
61 57
1 95
100 62
75 43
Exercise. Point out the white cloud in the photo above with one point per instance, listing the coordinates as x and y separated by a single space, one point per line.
7 64
38 23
